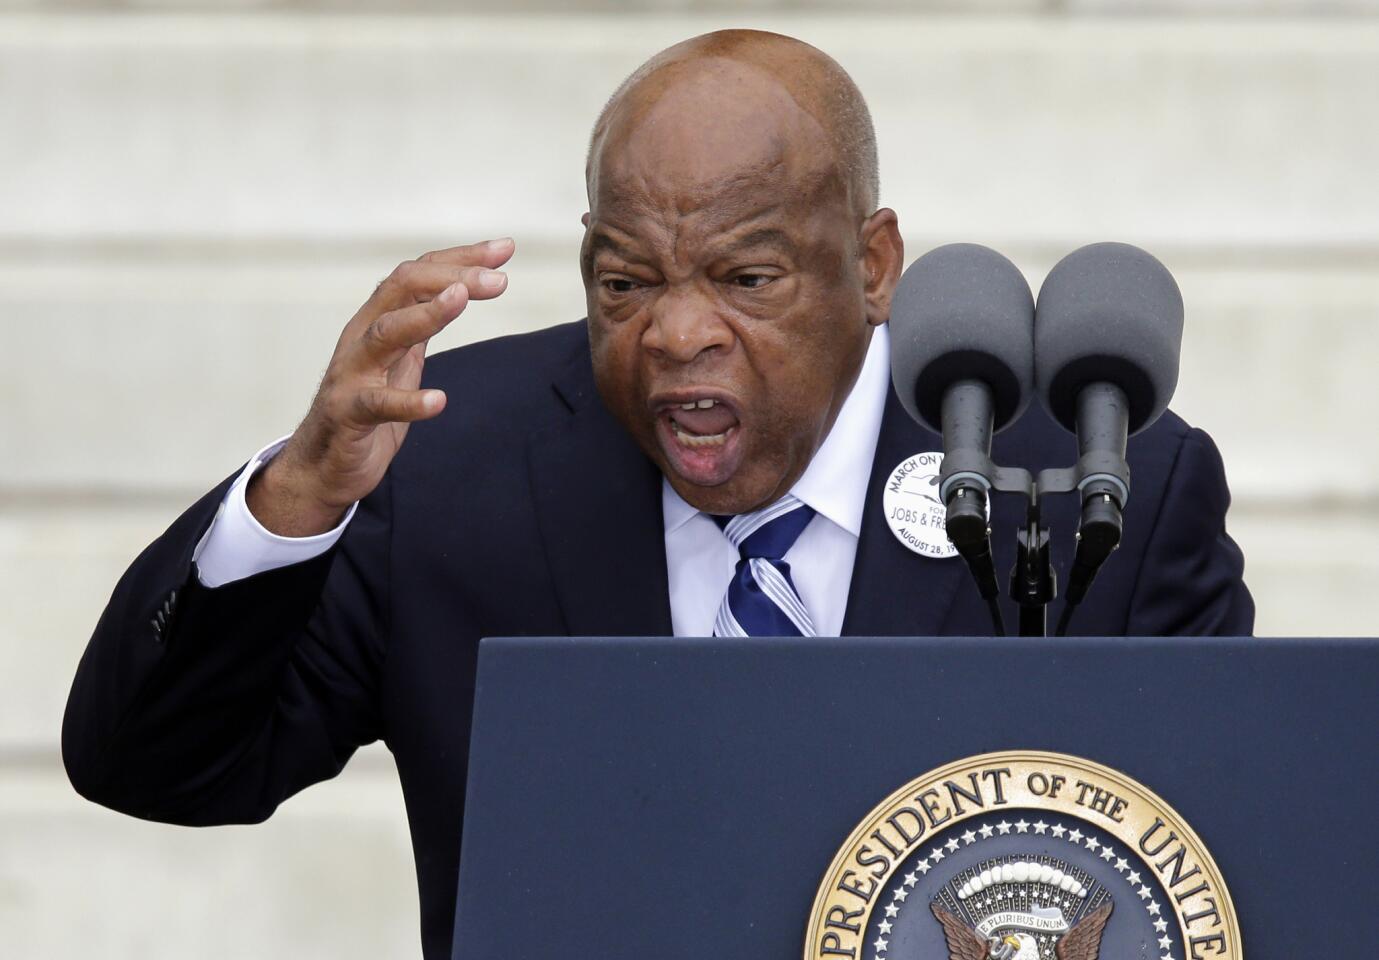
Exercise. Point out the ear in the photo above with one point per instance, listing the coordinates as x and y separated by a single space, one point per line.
883 256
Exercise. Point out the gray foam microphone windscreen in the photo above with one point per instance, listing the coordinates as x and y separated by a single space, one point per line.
1108 312
962 312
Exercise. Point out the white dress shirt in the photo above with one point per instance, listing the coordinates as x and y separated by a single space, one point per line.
236 545
699 558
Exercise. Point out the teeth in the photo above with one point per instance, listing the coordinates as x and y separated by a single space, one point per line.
698 404
688 406
705 404
694 440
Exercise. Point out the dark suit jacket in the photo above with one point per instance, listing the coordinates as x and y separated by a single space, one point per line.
526 510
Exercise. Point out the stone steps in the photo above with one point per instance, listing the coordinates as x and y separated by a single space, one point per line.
217 356
206 198
329 875
1218 132
1310 572
195 194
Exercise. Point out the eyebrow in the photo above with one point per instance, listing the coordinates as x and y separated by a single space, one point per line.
606 241
763 236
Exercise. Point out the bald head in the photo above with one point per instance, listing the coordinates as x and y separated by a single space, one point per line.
734 261
736 83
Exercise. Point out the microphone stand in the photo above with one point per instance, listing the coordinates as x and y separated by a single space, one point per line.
1099 476
1033 582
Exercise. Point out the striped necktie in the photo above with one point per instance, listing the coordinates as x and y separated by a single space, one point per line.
762 600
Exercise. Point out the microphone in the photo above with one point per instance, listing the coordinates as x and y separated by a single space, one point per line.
962 362
1108 331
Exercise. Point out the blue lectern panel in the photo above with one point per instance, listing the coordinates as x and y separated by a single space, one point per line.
664 799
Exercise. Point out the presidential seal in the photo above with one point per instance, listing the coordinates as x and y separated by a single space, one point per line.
1022 855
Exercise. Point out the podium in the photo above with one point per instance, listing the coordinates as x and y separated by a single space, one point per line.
677 798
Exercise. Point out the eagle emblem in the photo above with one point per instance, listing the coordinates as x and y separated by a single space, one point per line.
1023 910
1081 942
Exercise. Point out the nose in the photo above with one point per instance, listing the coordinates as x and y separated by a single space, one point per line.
684 326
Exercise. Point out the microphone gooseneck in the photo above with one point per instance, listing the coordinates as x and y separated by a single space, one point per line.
1108 331
962 361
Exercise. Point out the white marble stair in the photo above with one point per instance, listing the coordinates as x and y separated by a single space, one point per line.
195 194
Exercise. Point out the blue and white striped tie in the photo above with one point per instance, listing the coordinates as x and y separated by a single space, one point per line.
762 600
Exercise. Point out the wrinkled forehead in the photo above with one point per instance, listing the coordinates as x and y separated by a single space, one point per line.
714 133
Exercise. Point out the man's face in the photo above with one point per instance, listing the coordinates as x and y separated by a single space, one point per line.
727 312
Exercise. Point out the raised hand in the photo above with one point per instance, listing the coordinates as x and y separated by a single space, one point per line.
369 394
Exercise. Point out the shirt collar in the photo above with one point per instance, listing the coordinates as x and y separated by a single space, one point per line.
835 482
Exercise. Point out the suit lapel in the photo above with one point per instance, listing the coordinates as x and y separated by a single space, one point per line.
894 591
598 506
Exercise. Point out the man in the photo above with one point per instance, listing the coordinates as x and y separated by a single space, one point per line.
705 455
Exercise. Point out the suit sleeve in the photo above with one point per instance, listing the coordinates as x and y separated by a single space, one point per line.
237 545
200 705
1191 578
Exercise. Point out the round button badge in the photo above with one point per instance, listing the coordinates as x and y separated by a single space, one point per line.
913 509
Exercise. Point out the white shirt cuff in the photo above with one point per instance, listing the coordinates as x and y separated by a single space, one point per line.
237 546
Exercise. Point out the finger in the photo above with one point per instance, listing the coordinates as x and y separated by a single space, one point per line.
417 281
422 279
490 253
375 405
384 341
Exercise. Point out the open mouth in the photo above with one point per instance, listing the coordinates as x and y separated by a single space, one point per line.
699 435
702 423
